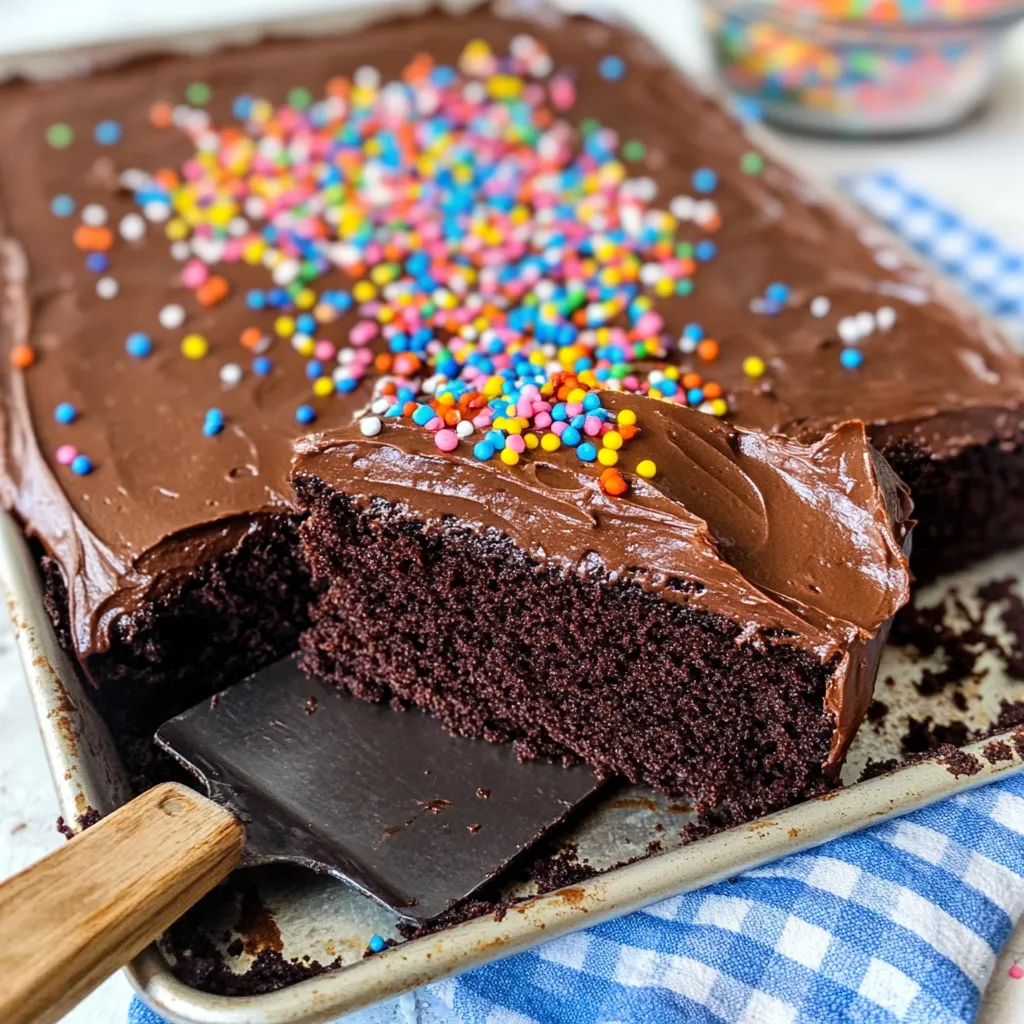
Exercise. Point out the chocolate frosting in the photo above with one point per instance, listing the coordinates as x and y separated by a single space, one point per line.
163 497
802 544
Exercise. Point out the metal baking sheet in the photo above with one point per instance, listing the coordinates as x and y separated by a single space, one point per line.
318 918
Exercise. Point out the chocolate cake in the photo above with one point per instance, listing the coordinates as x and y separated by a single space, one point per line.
706 616
205 257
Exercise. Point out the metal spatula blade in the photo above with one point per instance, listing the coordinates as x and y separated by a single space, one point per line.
385 801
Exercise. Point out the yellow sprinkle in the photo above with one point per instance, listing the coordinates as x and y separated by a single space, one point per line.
531 441
626 418
588 378
304 345
194 346
607 457
719 406
551 442
323 386
386 315
665 287
671 372
253 251
576 395
509 457
655 393
363 291
284 326
494 387
646 469
176 229
613 440
753 366
306 299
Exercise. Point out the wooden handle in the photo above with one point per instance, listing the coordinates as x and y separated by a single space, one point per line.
74 918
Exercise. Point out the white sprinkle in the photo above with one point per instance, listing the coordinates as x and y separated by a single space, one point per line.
464 429
380 406
180 250
230 374
865 324
134 179
132 227
156 210
682 207
94 215
848 330
474 92
366 77
237 227
107 288
255 208
171 316
820 306
687 345
286 272
885 318
369 426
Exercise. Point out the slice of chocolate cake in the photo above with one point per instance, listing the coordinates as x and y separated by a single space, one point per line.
697 607
204 257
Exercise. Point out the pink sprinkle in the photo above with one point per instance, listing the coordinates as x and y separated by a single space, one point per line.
516 443
1016 972
435 424
591 426
446 440
194 273
481 421
542 420
563 93
558 427
66 454
573 409
524 407
363 332
323 350
233 250
649 323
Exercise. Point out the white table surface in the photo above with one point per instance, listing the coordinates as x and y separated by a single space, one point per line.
978 169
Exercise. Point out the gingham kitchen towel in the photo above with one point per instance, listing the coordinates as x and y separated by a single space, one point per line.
900 922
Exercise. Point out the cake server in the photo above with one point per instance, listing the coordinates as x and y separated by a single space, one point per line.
386 802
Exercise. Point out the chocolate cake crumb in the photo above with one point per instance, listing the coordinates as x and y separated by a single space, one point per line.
873 769
310 705
877 710
958 762
653 847
997 751
64 828
484 794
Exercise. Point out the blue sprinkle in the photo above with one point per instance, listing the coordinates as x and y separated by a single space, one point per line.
777 292
81 465
695 396
62 205
694 332
591 401
612 68
483 450
305 323
377 944
65 413
241 107
262 366
558 412
213 423
748 108
571 436
96 262
343 385
851 358
423 415
704 180
305 414
705 250
138 345
496 439
255 299
587 452
314 369
578 421
107 133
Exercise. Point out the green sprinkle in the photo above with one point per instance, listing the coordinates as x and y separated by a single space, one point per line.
634 151
299 98
684 286
684 250
60 135
752 163
198 94
588 126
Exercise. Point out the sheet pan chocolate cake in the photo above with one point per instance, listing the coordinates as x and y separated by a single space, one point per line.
546 331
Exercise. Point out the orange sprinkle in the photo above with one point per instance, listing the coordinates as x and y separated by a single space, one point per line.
213 290
161 115
451 417
612 482
383 362
251 337
708 350
409 408
406 364
691 380
167 179
712 390
628 431
23 356
92 239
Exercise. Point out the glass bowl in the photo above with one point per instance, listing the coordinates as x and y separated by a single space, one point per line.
861 67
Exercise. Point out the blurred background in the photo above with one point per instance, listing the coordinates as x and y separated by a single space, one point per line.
930 90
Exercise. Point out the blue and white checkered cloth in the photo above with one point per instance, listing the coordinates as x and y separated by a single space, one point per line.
901 922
